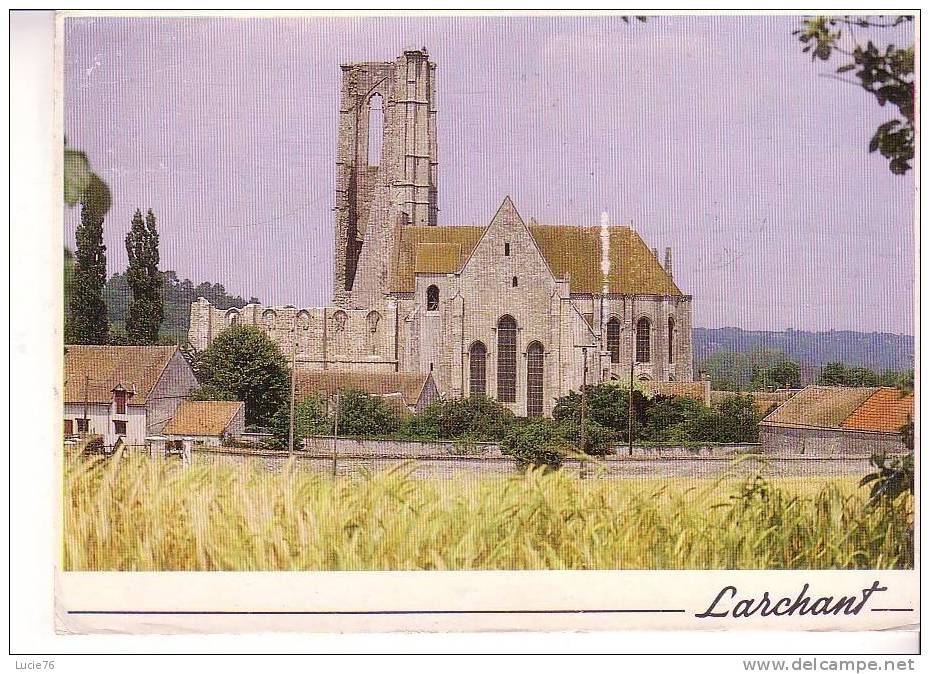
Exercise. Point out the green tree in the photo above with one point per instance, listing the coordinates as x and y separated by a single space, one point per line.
886 73
607 406
833 374
243 362
736 420
782 374
145 281
87 322
675 420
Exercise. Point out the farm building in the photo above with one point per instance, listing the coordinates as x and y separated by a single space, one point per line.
827 420
127 392
206 422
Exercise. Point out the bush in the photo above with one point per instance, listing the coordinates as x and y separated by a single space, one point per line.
365 415
476 418
608 407
538 443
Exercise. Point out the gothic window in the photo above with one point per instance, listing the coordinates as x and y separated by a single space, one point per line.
507 248
232 317
642 340
513 282
507 360
373 319
477 369
534 380
303 320
613 339
270 319
375 129
340 318
432 298
671 340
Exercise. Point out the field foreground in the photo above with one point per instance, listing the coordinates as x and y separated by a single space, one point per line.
137 514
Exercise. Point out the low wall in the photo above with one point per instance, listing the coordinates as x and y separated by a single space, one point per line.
490 464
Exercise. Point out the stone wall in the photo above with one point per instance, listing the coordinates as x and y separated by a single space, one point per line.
827 441
326 337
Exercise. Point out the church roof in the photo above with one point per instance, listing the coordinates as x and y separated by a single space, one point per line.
573 252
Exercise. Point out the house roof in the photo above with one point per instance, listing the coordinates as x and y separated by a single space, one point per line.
573 252
762 400
699 390
885 410
860 408
408 385
136 368
203 417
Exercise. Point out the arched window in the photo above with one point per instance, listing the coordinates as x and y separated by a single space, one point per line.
232 317
642 340
373 319
270 319
513 282
303 319
534 380
478 369
613 339
432 298
507 360
671 340
375 129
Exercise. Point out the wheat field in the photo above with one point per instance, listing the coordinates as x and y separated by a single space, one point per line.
135 513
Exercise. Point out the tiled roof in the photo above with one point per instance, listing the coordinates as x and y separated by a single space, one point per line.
572 252
409 385
699 390
864 409
885 410
762 400
203 417
136 368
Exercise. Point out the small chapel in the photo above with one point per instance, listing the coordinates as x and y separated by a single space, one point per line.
515 310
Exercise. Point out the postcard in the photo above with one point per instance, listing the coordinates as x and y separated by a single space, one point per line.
484 323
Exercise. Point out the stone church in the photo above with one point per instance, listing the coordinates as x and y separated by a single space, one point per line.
519 311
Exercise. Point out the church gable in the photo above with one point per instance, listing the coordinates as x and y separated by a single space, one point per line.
507 255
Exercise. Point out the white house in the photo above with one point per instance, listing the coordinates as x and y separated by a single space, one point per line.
127 392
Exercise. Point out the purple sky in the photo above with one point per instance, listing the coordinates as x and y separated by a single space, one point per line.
715 135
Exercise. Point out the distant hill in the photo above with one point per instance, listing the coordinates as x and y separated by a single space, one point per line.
875 350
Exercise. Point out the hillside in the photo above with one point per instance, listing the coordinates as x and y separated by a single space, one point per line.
876 350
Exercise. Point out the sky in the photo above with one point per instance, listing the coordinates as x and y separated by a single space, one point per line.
713 135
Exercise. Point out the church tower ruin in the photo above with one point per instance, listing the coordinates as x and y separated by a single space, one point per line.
386 169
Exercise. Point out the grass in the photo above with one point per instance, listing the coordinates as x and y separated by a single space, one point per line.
133 513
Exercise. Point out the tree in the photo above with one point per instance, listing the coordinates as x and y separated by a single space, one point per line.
783 374
244 362
837 374
885 73
476 418
87 323
145 281
607 406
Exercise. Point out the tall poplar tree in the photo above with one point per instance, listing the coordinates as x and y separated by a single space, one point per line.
87 322
145 281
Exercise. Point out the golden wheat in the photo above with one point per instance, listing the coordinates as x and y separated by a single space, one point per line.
133 513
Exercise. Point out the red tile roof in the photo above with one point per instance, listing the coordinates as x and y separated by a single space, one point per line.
885 410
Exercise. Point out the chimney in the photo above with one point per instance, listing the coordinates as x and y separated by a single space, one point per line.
668 260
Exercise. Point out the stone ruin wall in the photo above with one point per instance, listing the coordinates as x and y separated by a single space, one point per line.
326 337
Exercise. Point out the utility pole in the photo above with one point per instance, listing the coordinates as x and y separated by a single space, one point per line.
335 428
86 430
629 421
290 427
584 406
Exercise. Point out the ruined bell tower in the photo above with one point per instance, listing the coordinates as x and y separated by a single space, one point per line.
386 169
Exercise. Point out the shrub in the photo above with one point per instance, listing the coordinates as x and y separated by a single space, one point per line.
608 406
538 443
476 418
365 415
